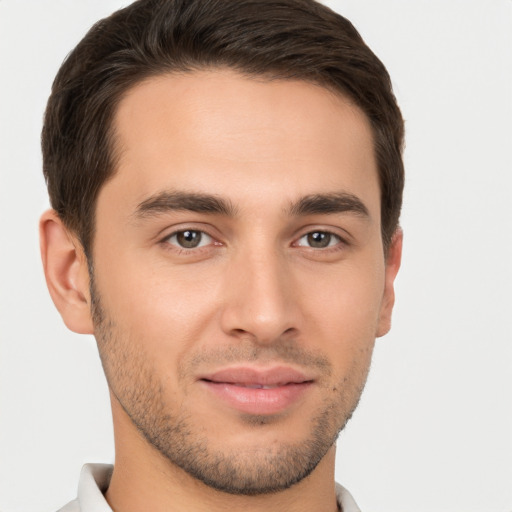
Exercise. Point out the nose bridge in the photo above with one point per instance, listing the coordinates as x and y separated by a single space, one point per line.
258 292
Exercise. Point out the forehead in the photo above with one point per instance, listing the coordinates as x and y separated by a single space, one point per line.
209 129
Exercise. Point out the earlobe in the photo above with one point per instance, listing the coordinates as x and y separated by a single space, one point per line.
66 273
393 260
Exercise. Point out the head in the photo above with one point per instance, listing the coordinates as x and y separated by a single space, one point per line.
227 181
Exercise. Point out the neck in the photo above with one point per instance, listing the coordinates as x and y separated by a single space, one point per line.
143 479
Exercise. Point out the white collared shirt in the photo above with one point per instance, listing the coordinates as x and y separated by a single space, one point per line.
95 478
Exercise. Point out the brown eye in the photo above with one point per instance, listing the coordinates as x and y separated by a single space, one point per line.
319 240
189 239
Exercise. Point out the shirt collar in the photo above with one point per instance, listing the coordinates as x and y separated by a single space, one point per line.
94 481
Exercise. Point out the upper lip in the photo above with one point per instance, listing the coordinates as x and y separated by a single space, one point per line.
251 376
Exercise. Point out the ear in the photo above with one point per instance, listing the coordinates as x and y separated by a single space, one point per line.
393 259
66 272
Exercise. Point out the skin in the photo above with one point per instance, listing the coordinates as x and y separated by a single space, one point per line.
257 291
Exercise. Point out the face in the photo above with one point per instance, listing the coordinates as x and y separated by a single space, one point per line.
239 278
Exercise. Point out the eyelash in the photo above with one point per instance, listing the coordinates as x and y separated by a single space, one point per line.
328 234
339 242
167 241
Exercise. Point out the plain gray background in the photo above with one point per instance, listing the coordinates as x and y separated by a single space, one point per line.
433 432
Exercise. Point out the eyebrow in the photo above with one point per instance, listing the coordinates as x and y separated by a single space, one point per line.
341 202
314 204
184 201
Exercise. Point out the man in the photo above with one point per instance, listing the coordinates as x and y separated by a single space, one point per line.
226 183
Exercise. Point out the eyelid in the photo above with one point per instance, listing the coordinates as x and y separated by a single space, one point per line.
343 236
202 242
173 231
336 237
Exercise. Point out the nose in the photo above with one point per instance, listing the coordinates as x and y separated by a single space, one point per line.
260 302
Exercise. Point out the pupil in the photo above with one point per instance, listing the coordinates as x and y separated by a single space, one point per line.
189 239
318 239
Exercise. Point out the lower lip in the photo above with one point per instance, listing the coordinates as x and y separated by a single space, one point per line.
258 401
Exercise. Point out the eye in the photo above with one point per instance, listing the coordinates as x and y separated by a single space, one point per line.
319 240
189 239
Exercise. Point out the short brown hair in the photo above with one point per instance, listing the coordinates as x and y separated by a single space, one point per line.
278 39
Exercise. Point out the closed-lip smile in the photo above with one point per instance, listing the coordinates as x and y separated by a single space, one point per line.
258 390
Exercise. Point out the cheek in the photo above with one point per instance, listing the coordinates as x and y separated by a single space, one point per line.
345 313
163 311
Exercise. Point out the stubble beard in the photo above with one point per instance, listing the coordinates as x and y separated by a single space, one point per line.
255 471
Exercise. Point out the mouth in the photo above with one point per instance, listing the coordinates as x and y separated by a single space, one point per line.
259 391
250 386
